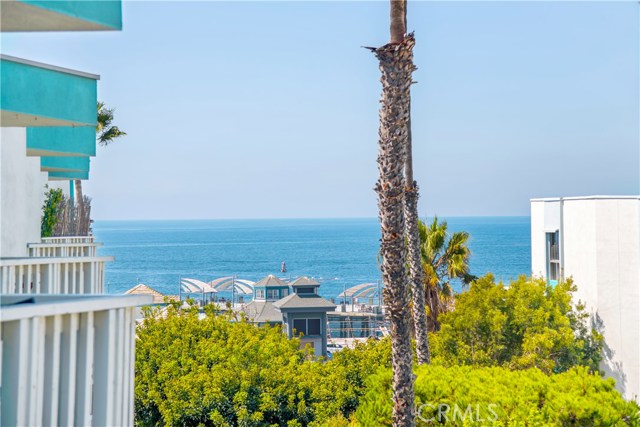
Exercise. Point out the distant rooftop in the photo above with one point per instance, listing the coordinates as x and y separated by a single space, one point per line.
158 298
270 281
304 281
262 312
308 302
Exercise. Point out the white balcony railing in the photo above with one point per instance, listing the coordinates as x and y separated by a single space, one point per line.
62 249
68 360
68 239
53 275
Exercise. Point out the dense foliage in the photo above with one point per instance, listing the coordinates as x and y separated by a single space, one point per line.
526 324
220 370
52 202
217 372
496 396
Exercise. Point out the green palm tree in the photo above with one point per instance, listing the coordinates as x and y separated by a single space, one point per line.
106 133
445 260
396 65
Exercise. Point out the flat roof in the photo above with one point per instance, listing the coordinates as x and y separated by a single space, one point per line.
596 197
49 67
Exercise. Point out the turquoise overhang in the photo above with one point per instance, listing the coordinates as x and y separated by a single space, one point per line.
36 94
64 164
61 141
68 175
60 15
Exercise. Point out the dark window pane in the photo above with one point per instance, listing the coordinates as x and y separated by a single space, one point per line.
300 325
305 290
554 271
314 326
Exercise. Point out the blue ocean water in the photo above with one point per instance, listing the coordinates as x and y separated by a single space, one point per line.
338 252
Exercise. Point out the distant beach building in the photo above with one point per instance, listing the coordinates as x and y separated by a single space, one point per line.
596 241
296 305
305 312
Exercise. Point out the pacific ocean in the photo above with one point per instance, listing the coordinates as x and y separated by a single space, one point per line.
339 253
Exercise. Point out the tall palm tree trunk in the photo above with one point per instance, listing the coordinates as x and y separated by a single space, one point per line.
420 324
396 65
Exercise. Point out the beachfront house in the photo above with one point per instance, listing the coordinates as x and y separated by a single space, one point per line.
596 241
304 314
67 353
296 306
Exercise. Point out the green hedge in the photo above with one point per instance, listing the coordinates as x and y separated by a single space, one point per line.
527 324
496 396
222 371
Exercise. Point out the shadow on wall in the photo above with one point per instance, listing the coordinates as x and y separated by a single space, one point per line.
612 369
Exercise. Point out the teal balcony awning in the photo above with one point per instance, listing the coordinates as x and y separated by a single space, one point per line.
35 94
61 15
64 164
61 141
65 176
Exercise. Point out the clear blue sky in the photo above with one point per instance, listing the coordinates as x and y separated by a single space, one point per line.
259 110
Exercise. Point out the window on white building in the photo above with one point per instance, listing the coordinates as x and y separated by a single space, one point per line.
260 294
553 256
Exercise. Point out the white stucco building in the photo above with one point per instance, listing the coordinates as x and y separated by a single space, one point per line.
596 241
66 351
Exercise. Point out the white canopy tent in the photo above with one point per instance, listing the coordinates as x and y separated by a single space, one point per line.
230 283
195 286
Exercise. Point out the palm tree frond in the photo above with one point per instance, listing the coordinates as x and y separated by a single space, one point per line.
445 257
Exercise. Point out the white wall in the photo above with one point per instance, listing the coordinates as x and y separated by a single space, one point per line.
601 238
21 194
538 242
618 300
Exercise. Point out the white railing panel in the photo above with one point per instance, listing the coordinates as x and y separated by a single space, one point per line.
68 360
54 249
52 275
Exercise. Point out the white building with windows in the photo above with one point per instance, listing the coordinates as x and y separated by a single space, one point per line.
596 241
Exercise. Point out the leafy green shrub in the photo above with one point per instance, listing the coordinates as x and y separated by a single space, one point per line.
223 371
496 396
52 201
526 324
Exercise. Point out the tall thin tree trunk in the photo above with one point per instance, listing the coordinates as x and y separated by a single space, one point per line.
79 203
398 20
78 185
420 324
396 65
